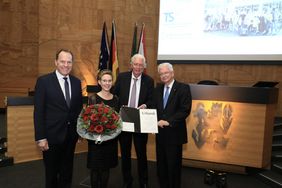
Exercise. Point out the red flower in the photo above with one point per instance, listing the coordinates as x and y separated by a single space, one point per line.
104 119
87 110
85 118
91 128
99 129
100 109
114 116
106 110
94 117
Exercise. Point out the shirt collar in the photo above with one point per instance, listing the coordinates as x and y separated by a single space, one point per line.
132 76
170 85
60 76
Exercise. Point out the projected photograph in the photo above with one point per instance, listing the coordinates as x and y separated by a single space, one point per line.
220 30
245 18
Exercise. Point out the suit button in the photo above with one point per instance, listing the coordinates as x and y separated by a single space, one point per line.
68 123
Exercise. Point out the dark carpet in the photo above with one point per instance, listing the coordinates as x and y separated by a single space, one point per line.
31 175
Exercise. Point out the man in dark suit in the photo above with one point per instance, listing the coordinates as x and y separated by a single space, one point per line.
173 103
134 89
57 104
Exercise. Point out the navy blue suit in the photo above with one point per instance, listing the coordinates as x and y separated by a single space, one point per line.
56 122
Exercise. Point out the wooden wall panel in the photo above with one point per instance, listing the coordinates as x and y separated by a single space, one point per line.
78 26
18 46
18 43
31 32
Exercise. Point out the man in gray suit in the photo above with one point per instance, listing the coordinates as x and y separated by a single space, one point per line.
57 104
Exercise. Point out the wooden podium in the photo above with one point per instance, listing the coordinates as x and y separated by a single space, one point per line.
230 126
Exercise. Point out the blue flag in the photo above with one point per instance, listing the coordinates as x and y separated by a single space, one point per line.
104 50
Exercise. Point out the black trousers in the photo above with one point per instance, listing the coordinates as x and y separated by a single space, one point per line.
169 164
140 144
58 162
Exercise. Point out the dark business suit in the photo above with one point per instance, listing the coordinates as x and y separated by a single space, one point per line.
122 90
170 138
56 122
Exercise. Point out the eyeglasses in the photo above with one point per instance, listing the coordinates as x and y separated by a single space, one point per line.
164 73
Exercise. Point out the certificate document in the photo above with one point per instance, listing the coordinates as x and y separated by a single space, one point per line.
139 120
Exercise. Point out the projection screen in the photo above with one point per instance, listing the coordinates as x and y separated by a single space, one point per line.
220 30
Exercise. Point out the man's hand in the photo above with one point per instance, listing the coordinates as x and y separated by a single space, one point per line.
80 139
163 123
43 145
142 106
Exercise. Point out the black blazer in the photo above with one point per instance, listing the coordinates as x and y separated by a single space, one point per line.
176 111
122 87
53 119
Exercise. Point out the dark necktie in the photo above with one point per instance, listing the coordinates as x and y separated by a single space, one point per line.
133 94
67 91
166 96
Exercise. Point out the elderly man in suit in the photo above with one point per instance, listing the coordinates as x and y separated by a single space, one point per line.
134 89
173 103
57 104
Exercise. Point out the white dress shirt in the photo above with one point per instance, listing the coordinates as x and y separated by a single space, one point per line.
62 82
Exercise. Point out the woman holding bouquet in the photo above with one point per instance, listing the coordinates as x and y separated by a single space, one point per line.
102 156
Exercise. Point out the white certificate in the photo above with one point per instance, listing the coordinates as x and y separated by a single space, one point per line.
139 120
148 120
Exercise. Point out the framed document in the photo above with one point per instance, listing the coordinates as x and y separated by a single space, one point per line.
139 120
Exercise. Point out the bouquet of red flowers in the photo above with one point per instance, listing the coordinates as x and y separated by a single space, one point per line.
99 122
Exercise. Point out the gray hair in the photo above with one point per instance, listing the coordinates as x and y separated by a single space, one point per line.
138 56
165 64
